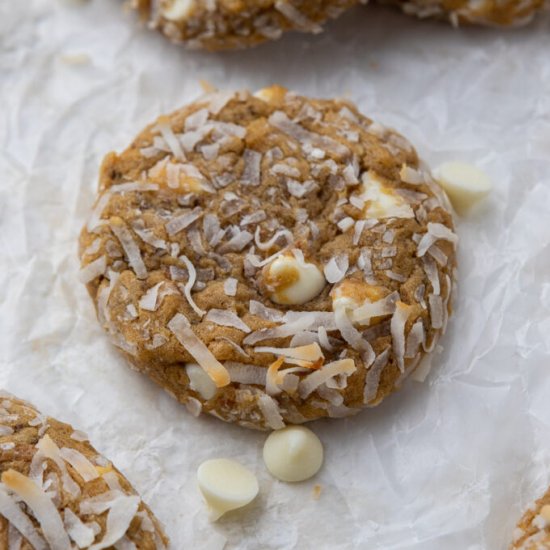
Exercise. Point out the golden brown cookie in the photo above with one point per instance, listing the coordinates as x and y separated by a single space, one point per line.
57 492
485 12
533 530
270 258
230 24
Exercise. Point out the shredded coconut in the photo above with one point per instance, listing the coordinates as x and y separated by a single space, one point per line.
398 321
270 411
124 235
93 269
372 380
189 285
336 268
251 171
181 329
170 138
297 17
411 176
179 223
227 318
230 286
42 507
149 300
312 381
436 231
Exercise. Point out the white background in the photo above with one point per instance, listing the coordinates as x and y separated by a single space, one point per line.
448 464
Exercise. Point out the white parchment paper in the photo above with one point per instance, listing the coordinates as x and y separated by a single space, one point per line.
448 464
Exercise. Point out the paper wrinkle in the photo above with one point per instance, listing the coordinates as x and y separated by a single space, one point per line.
450 463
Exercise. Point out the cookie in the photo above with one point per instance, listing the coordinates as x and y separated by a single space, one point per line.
533 530
230 24
58 492
487 12
270 259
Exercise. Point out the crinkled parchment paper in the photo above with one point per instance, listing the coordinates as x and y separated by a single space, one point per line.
447 464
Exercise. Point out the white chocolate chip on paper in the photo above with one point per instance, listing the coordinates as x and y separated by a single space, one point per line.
226 485
464 184
293 454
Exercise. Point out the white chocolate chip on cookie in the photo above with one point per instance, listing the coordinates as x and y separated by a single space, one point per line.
184 178
291 281
177 10
381 201
200 382
465 184
293 454
352 293
226 485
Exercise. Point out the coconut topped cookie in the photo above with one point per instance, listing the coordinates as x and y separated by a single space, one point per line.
230 24
504 13
533 530
269 258
57 492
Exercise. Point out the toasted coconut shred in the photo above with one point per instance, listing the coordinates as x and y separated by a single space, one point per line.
207 224
149 300
93 269
189 285
181 328
51 515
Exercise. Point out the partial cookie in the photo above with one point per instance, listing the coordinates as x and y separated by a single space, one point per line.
533 530
269 258
57 491
230 24
485 12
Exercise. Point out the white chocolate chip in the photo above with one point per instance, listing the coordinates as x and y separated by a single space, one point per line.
226 485
465 184
177 10
293 454
353 293
200 382
340 299
381 201
292 282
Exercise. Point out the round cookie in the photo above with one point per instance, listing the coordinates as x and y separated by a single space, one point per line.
230 24
487 12
269 258
58 492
